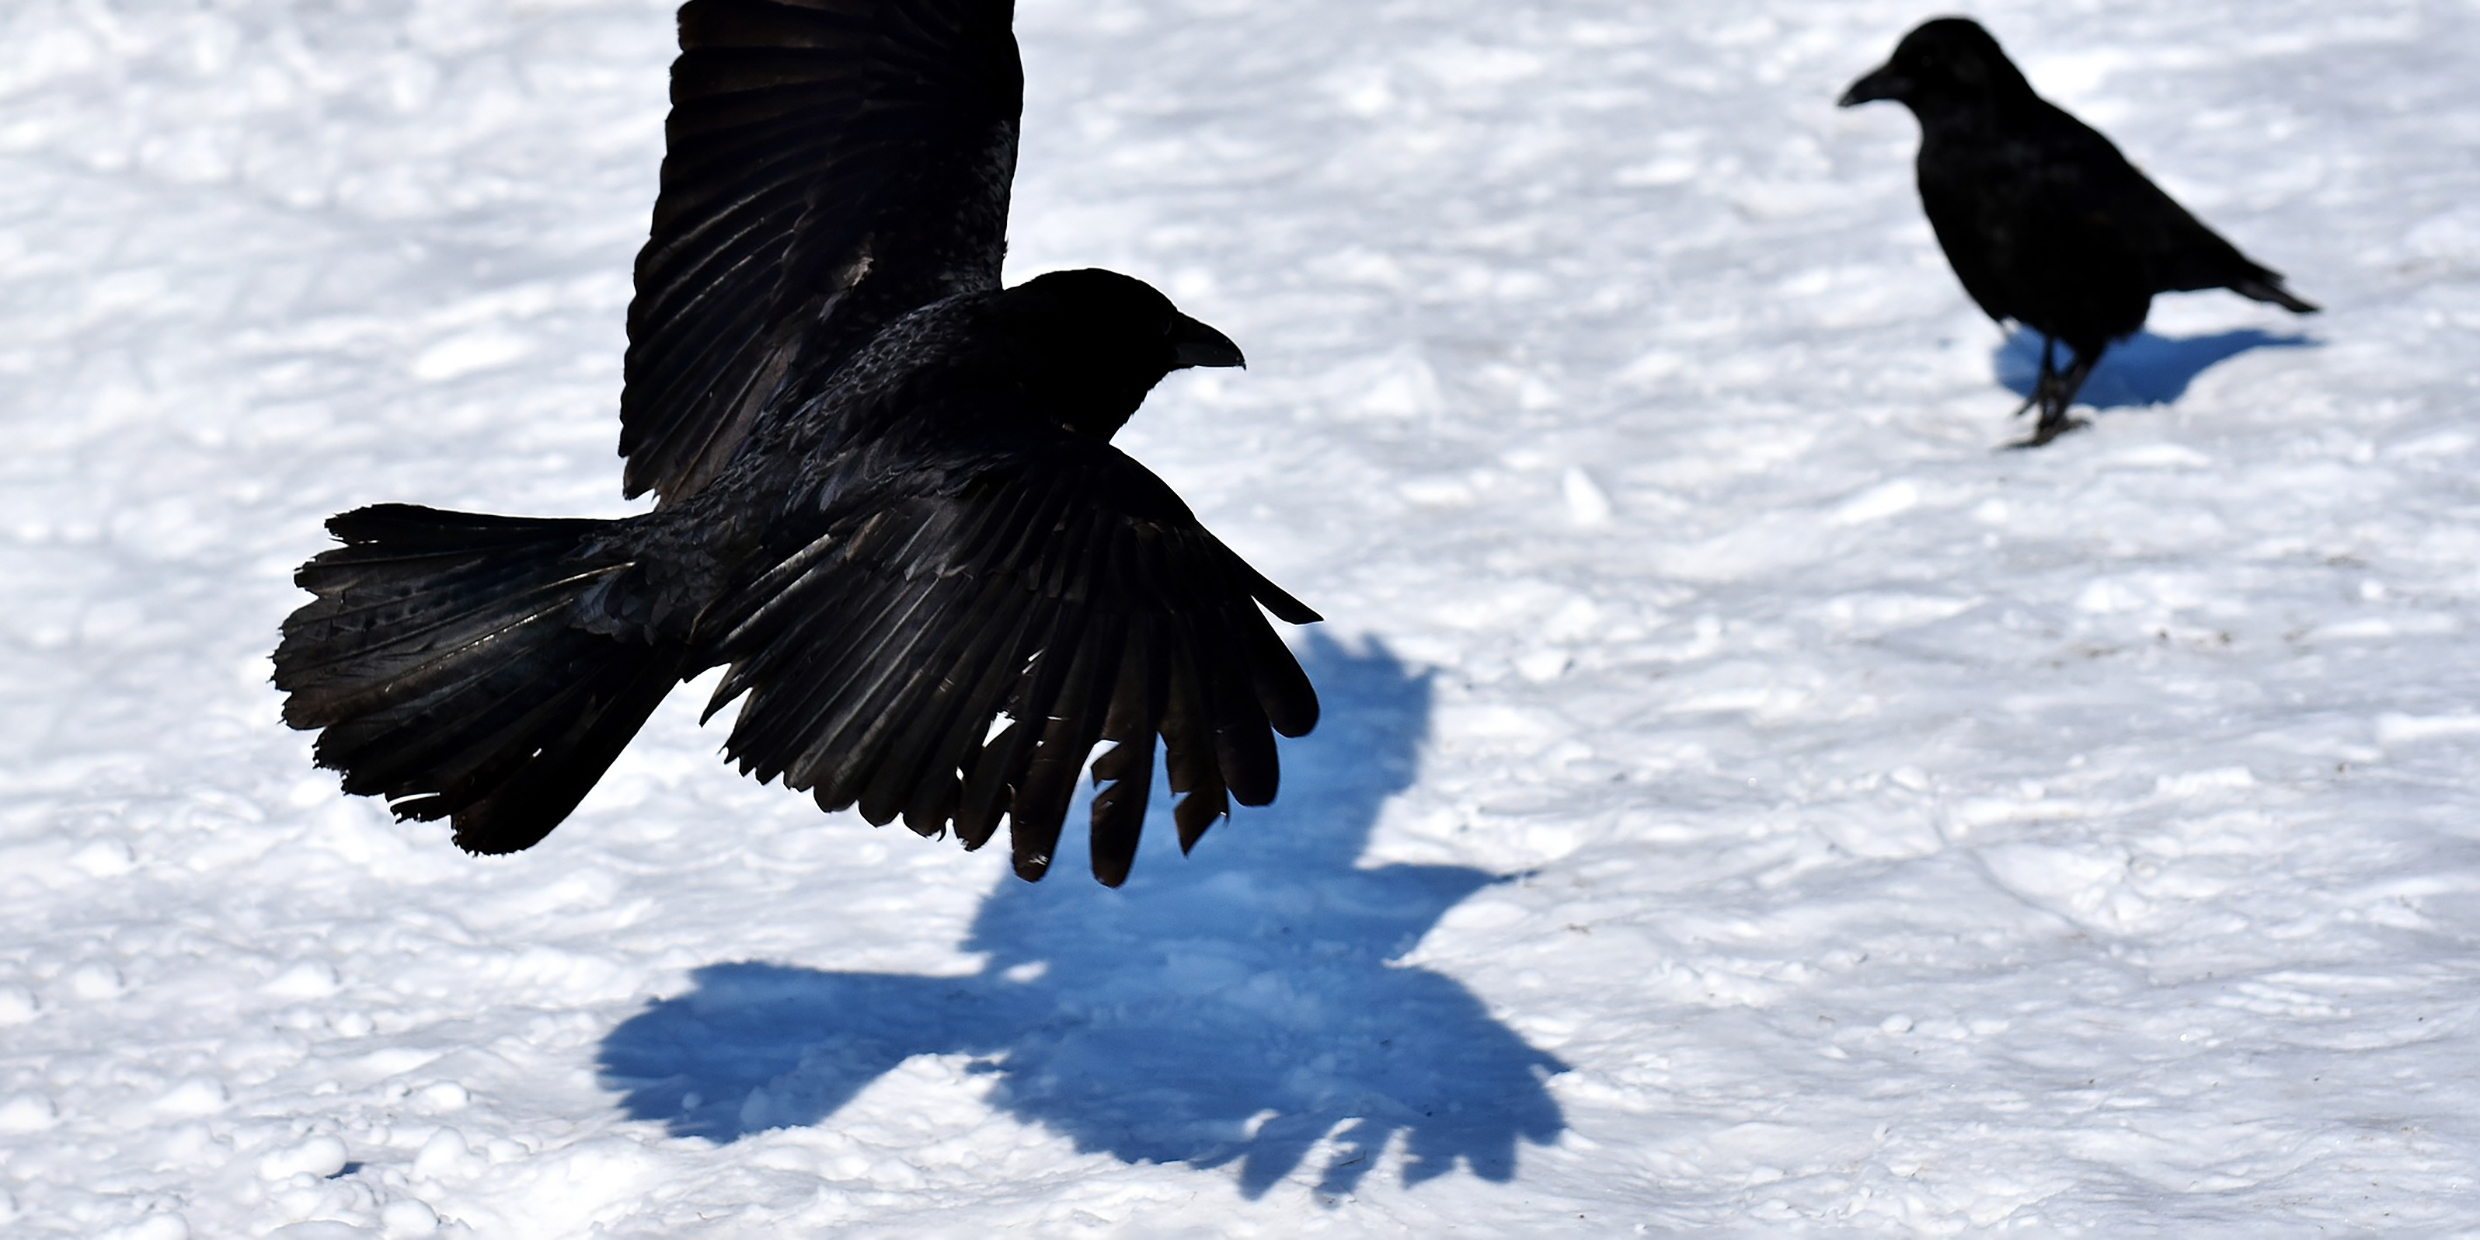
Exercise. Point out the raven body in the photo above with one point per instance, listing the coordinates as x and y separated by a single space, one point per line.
2044 222
888 498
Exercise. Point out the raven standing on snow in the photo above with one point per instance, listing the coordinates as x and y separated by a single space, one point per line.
2043 220
888 496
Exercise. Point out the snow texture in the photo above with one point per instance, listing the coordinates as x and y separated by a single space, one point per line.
1748 803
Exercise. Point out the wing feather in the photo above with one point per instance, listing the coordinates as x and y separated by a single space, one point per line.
1060 591
830 165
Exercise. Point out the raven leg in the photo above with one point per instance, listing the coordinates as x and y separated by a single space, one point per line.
2073 381
2056 393
2048 376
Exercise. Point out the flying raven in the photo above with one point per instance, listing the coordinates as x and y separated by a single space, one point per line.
897 524
2043 220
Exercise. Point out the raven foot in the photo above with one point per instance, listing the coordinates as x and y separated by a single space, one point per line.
2049 429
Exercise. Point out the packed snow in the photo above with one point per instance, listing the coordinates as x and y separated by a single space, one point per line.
1748 802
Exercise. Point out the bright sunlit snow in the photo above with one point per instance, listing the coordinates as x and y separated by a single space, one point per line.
1747 801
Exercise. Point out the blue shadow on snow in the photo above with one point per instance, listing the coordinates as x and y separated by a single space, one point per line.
2143 369
1237 1007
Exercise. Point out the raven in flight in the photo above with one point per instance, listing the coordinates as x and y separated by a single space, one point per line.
2041 217
888 500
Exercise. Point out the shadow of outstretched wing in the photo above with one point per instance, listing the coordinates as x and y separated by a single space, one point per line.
758 1046
1243 1007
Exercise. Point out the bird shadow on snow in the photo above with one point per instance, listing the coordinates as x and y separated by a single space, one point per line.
1239 1007
2143 369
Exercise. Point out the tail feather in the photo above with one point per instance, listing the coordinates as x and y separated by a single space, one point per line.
2269 288
402 590
449 669
450 731
406 664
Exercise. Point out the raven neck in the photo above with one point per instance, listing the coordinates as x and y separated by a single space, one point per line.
1092 406
1980 117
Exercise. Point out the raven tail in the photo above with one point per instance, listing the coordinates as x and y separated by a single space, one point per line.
452 665
2269 288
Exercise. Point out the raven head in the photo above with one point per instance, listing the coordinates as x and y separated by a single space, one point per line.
1944 62
1089 344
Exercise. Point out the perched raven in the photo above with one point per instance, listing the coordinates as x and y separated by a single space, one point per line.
897 524
2043 220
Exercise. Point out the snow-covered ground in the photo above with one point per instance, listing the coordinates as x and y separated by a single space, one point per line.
1747 801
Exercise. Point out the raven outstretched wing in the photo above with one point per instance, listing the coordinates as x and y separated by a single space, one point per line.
830 165
1066 588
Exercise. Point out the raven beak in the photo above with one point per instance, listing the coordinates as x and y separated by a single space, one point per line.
1885 83
1195 344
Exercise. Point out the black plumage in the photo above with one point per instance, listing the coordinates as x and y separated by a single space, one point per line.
829 165
895 544
2042 218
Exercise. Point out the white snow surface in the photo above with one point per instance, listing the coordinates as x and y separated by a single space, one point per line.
1747 804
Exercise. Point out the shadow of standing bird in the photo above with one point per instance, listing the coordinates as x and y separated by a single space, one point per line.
2143 370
